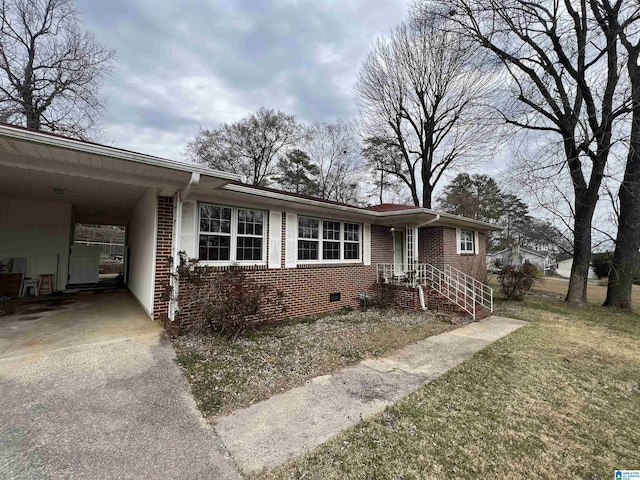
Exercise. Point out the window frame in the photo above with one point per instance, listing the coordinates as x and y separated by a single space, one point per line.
321 240
233 248
474 242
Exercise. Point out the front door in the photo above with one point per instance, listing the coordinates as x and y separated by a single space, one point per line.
84 264
399 252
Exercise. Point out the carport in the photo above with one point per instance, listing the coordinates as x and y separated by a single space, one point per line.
45 324
49 183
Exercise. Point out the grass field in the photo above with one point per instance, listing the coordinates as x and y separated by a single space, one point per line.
559 398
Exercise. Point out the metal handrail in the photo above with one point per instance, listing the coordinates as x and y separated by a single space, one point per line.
450 283
483 292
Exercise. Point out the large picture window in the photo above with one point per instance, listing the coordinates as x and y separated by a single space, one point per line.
327 240
229 234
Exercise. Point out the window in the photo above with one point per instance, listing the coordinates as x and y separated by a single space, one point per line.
231 234
466 241
308 238
351 241
331 240
250 234
339 241
215 233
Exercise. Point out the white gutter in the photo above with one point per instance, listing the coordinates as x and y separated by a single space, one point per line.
97 149
249 190
424 224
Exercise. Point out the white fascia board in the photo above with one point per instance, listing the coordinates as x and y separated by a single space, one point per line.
282 196
296 200
105 151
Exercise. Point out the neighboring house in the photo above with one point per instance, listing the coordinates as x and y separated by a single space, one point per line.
516 255
323 255
564 269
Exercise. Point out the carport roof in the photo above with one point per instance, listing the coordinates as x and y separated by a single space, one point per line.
96 179
16 143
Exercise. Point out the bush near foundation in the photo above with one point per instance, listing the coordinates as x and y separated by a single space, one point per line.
226 302
385 295
516 282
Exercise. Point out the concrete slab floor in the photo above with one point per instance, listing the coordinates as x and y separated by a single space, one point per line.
74 320
271 432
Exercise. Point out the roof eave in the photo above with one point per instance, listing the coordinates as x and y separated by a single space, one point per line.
106 151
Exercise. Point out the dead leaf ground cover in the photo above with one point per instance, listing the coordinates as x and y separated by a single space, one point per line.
228 375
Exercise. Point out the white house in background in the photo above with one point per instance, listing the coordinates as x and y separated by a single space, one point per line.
564 269
516 255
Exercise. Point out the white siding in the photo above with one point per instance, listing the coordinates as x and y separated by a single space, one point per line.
39 231
142 231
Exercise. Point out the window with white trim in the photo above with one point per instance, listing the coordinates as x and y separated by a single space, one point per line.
466 241
231 234
328 240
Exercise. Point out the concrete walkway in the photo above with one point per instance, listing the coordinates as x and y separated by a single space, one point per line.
272 432
107 401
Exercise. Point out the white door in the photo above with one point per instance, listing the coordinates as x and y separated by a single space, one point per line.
399 252
84 264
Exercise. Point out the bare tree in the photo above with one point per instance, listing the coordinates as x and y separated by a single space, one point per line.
248 147
425 90
333 148
380 153
626 257
564 75
50 70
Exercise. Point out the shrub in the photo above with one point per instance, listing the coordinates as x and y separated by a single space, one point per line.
384 295
601 263
515 283
227 302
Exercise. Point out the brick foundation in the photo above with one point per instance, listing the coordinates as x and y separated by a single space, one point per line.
163 253
306 290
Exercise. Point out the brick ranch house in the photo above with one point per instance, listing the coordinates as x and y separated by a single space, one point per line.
322 255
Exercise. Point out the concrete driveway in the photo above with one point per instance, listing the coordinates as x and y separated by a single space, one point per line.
90 389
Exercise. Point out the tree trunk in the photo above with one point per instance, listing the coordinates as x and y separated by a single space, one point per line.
625 256
427 192
577 291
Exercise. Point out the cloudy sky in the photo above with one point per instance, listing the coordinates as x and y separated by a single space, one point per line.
182 65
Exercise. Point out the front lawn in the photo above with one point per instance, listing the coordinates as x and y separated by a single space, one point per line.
228 375
559 398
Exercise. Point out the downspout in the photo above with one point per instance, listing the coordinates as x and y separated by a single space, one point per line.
423 305
179 197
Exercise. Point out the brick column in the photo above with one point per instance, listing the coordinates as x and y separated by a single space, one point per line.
163 253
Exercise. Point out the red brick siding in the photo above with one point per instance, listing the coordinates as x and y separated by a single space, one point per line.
306 288
163 252
437 245
381 245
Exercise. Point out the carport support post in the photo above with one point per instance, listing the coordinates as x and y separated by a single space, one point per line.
175 247
175 253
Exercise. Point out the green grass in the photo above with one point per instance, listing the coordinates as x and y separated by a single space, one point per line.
559 398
